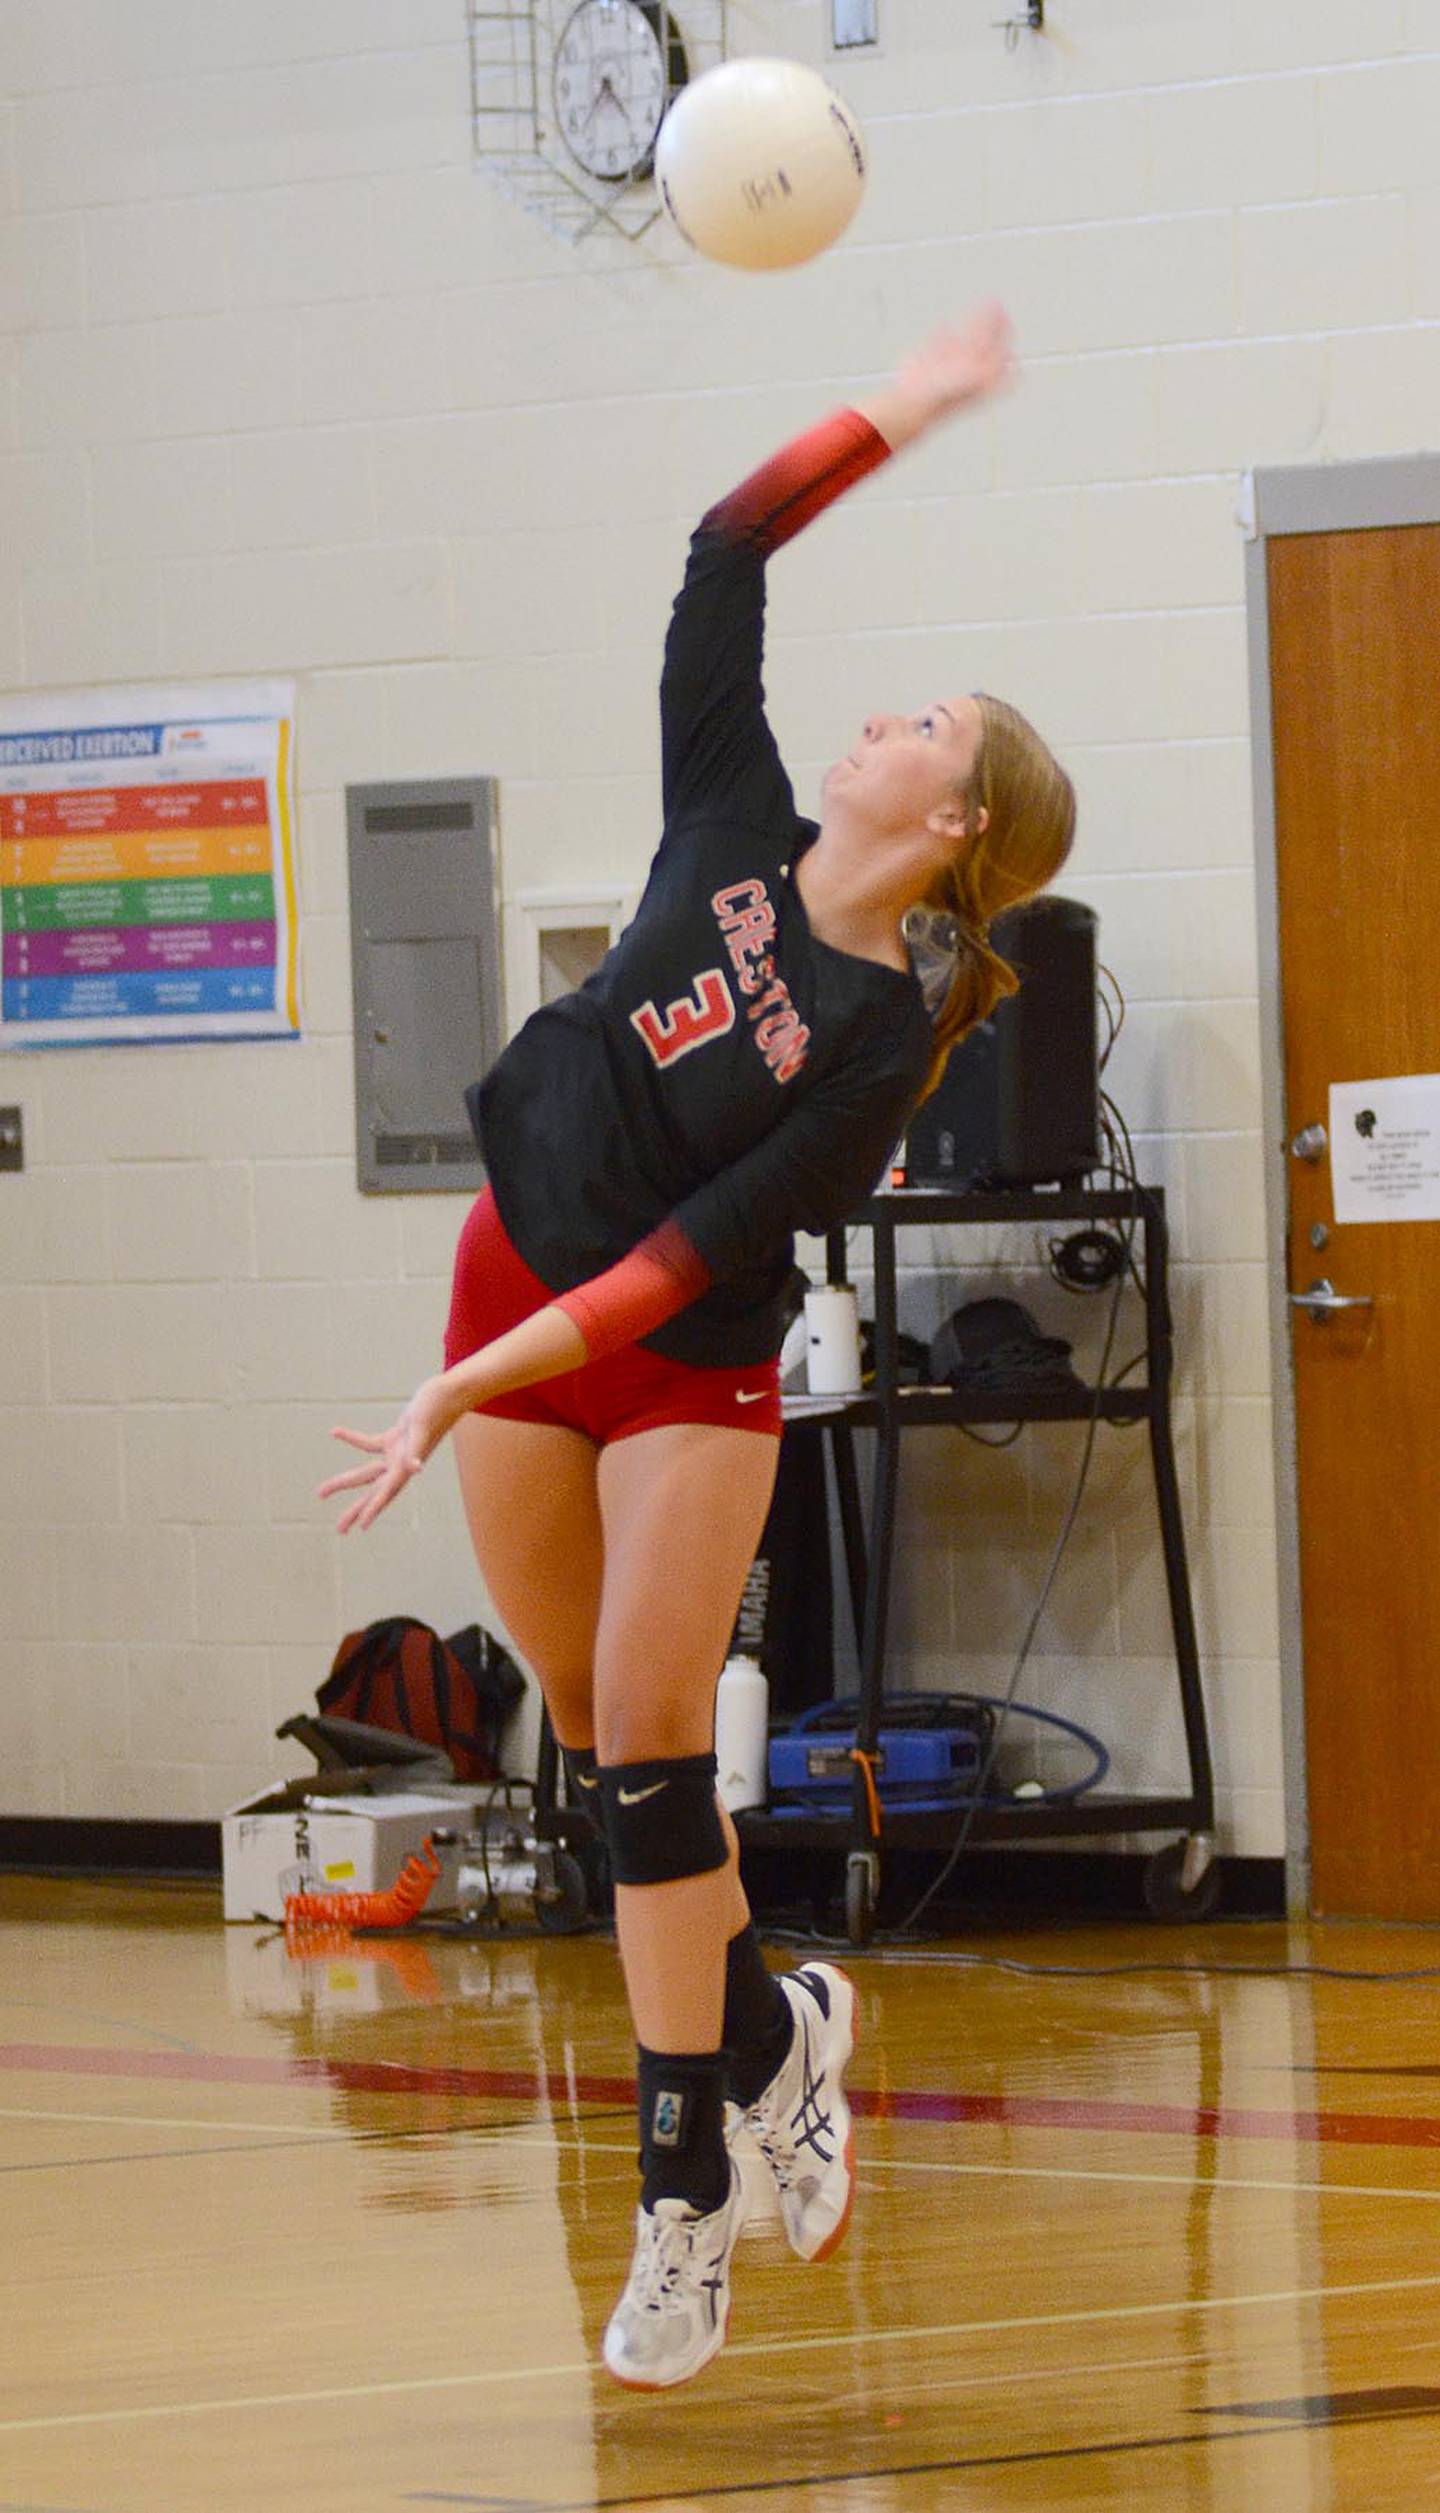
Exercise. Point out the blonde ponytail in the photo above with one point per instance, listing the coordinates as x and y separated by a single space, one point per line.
1029 803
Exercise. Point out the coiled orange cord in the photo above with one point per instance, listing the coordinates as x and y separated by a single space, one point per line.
405 1900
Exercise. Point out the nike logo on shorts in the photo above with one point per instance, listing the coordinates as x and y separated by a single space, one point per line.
633 1797
751 1395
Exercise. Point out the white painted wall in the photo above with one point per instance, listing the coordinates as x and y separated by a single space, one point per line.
286 386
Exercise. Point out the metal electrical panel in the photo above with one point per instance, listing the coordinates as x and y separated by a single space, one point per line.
427 976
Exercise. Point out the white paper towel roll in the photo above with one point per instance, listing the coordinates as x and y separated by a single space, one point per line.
832 1357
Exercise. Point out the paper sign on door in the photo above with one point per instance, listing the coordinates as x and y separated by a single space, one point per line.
1385 1149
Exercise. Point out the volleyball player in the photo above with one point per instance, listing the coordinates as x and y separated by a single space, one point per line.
739 1067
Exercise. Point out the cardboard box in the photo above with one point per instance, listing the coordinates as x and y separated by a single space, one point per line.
296 1839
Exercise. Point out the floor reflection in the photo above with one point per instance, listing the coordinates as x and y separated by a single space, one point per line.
364 2210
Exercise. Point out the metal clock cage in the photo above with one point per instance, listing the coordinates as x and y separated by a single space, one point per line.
517 139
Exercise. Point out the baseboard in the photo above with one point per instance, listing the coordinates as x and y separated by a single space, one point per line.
1050 1885
104 1845
997 1886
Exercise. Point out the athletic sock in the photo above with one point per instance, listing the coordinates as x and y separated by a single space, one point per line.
682 2128
759 2023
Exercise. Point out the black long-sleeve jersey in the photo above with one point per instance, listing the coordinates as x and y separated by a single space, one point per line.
723 1068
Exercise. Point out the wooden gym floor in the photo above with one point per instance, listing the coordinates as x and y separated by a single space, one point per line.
341 2235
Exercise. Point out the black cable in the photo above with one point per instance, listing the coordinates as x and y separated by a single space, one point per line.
1022 1657
1087 1261
1119 1377
889 1952
1112 1030
1115 1017
1123 1177
959 1959
1125 1174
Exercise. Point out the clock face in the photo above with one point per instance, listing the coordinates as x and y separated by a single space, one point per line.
611 82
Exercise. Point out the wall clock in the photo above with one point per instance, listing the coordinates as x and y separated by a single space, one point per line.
617 65
567 97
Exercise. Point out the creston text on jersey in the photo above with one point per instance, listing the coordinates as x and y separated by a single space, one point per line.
747 921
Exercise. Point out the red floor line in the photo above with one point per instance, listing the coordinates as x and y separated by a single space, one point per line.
1008 2111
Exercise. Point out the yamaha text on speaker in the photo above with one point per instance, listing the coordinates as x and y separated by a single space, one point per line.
1019 1104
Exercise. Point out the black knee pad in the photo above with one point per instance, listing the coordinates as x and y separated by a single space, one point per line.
661 1820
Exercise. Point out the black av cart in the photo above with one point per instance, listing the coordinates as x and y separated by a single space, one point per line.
1180 1879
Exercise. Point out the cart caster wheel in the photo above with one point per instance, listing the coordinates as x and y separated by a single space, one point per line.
860 1887
1167 1894
566 1912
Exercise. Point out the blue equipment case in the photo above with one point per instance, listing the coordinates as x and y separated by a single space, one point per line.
935 1753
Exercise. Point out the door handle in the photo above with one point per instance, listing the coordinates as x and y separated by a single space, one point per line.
1320 1300
1309 1144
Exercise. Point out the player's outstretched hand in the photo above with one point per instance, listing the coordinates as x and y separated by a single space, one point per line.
394 1456
540 1347
961 363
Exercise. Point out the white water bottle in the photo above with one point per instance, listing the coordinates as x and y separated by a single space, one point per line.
742 1734
832 1365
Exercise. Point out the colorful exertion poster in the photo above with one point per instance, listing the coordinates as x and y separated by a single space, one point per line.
147 876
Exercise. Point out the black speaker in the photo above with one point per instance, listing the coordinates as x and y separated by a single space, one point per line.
1020 1102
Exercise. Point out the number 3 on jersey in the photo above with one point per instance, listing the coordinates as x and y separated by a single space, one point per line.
708 1011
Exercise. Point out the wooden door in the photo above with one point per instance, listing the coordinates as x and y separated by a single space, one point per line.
1355 687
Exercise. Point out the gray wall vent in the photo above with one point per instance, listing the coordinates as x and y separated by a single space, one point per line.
427 977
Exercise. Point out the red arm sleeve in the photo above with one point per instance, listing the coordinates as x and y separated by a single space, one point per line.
716 745
799 482
630 1300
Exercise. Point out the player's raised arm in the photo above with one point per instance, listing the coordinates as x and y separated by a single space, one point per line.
716 742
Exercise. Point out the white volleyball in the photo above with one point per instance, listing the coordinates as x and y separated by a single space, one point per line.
760 164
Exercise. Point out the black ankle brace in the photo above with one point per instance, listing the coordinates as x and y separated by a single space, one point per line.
682 2127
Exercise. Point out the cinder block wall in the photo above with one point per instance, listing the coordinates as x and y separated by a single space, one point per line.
287 387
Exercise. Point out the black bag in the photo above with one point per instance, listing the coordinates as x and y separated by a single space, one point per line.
457 1694
995 1348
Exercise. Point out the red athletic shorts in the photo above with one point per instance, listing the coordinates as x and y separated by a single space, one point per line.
611 1399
